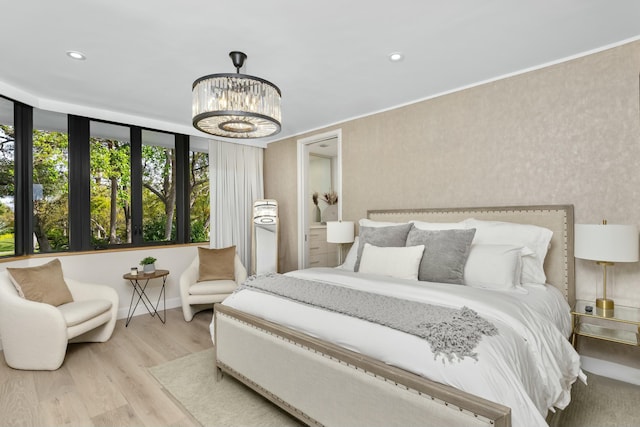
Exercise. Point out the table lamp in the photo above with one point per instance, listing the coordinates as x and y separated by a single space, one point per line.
340 232
606 244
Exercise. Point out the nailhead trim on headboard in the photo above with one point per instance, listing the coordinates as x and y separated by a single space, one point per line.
559 264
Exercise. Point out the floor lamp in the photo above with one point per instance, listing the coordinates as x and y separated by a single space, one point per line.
340 232
606 244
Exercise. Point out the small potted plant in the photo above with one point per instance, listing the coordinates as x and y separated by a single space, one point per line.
148 264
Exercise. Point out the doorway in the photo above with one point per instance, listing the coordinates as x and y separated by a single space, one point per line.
319 171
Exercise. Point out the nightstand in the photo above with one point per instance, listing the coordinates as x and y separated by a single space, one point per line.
321 253
606 328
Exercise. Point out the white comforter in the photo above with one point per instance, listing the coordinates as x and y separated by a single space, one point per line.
529 366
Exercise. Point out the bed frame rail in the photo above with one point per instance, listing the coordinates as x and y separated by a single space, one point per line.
323 384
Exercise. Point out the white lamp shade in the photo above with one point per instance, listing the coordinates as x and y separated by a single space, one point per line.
606 242
340 231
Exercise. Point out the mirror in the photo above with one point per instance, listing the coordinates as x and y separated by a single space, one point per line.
321 179
319 197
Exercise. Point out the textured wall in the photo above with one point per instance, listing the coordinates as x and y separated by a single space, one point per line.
568 133
280 176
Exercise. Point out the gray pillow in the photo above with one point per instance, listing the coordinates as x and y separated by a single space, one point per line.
445 253
392 236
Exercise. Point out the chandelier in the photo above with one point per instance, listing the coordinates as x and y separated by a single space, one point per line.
236 105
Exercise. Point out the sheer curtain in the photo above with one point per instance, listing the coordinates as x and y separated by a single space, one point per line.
236 182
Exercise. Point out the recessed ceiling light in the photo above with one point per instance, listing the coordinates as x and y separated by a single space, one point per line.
74 54
396 56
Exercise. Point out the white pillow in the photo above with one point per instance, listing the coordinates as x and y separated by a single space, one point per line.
493 266
364 222
350 260
422 225
400 262
537 239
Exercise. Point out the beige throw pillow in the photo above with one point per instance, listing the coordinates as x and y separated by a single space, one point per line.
216 264
44 283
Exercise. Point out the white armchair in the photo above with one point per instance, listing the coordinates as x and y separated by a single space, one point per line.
35 335
197 296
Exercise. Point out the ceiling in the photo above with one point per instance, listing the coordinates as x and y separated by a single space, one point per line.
329 58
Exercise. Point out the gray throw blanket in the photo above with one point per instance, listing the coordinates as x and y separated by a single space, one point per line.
453 333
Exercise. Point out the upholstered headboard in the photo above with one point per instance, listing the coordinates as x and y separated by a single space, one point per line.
559 263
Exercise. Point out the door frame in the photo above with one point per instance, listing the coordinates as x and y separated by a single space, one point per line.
303 188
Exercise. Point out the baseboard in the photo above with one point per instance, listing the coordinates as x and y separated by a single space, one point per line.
604 368
612 370
140 310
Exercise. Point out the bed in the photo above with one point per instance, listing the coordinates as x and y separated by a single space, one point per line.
326 368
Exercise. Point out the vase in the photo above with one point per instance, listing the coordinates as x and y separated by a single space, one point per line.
149 268
330 213
318 214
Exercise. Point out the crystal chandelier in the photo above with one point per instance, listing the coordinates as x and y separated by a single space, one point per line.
236 105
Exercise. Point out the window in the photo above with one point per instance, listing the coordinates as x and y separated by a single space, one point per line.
70 183
110 170
159 186
50 181
7 199
199 207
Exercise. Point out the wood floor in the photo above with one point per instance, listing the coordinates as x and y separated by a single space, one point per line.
107 384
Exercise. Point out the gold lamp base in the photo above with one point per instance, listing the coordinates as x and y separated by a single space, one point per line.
604 307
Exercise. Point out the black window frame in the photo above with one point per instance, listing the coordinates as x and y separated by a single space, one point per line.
79 184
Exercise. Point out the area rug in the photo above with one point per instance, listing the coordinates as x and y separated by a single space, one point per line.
604 402
191 380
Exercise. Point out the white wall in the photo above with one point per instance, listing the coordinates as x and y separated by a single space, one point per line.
564 134
107 268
